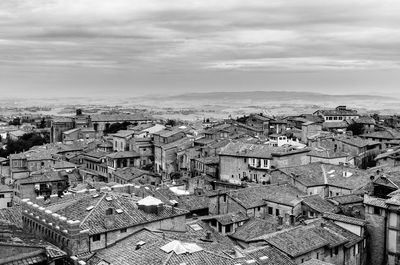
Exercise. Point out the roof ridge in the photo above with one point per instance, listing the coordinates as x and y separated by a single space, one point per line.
98 202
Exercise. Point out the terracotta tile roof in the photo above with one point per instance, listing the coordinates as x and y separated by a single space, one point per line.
317 174
387 134
254 196
357 141
131 173
11 216
123 154
45 177
317 203
94 219
296 241
123 133
228 218
328 153
335 124
170 132
344 219
266 255
347 199
247 150
255 227
125 252
350 236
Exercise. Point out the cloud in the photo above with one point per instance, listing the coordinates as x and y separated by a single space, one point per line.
191 36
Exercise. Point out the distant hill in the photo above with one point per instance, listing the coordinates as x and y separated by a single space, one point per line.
273 96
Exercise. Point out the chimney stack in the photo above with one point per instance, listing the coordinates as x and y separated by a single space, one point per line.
291 219
280 220
208 235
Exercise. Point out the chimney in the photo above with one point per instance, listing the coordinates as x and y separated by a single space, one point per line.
280 220
208 235
291 219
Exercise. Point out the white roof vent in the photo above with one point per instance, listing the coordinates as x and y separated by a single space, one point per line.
89 208
263 258
108 199
180 247
95 195
150 201
119 211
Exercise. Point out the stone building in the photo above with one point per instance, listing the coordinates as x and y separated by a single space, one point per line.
90 222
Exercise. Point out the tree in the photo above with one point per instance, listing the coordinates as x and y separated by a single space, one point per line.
170 122
23 144
356 128
115 127
42 123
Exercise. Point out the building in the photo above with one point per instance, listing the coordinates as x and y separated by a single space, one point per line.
282 200
122 159
326 180
385 138
90 222
121 140
340 113
6 196
135 176
41 184
324 239
330 156
253 162
166 149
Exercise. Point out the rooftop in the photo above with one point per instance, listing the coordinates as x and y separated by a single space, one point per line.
91 212
254 196
357 141
123 154
317 203
255 227
229 218
317 174
344 219
131 173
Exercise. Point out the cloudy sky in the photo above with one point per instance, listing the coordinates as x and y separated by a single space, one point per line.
132 47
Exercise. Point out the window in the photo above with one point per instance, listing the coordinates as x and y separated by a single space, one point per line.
9 204
336 250
1 196
228 229
317 255
377 210
277 212
258 208
270 210
96 237
123 230
245 160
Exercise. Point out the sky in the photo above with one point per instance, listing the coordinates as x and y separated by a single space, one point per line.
132 48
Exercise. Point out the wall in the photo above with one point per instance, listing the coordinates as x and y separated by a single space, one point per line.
233 169
296 159
7 199
376 231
